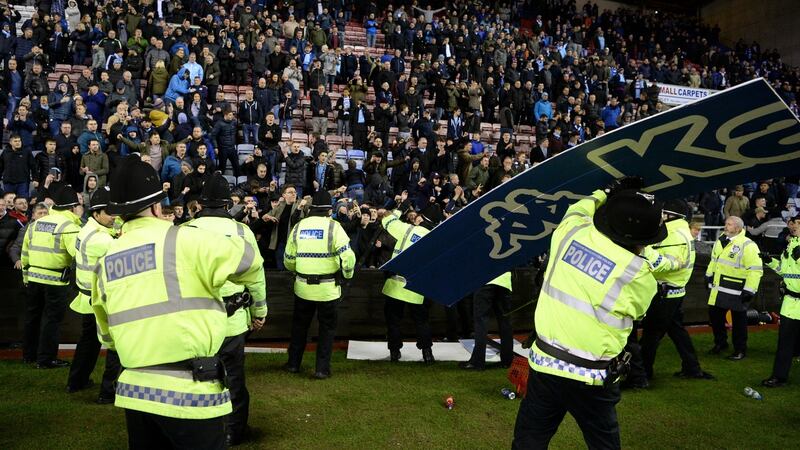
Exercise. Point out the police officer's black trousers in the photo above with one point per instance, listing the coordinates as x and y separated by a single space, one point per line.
327 316
548 400
393 311
86 353
459 322
148 431
45 307
716 316
492 299
788 338
232 355
665 317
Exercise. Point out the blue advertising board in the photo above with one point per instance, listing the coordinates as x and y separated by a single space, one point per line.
738 135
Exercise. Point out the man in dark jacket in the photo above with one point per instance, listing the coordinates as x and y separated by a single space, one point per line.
250 116
360 123
295 168
9 227
224 136
16 167
47 160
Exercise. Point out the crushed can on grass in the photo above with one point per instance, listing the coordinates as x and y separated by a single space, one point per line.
449 402
508 393
752 393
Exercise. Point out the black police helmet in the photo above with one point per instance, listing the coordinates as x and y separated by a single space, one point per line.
63 195
216 192
676 209
136 187
629 218
100 199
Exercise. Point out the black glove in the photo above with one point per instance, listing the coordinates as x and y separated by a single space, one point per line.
746 297
796 253
625 183
765 257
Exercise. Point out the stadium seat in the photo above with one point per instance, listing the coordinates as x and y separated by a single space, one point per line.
230 179
245 149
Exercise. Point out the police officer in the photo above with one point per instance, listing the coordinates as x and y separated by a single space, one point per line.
213 216
600 278
494 297
157 302
318 252
48 251
733 275
665 315
91 244
788 267
397 297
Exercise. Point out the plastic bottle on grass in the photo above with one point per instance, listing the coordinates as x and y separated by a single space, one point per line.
752 393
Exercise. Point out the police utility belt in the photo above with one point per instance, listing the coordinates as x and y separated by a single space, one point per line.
786 291
616 368
236 301
210 368
324 278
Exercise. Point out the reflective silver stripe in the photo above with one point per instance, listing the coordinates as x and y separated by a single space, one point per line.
166 371
44 249
727 290
748 290
169 307
239 229
562 245
331 248
82 251
170 261
573 351
402 245
260 304
103 337
689 249
247 258
586 308
175 301
101 287
42 276
755 267
627 276
57 234
170 397
725 262
741 252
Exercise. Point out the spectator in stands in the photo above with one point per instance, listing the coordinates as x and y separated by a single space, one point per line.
17 168
224 137
250 116
95 162
9 227
320 108
737 204
295 168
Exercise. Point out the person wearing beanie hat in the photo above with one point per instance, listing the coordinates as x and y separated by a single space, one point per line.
48 251
665 316
92 243
213 216
160 283
396 296
600 278
318 252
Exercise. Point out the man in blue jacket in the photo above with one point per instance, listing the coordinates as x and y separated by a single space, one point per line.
178 86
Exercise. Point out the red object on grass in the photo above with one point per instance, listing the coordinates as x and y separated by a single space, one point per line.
518 375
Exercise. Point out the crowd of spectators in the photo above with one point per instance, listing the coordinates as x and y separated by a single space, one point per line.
364 99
